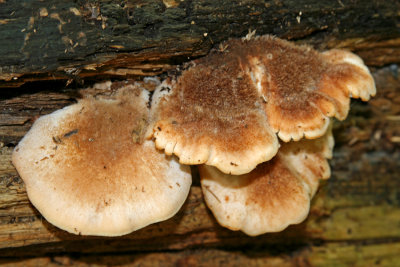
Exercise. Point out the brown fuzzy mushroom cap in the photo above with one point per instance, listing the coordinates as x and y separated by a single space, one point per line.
275 194
212 114
301 87
88 171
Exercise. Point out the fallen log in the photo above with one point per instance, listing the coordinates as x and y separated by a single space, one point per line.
83 40
48 49
357 207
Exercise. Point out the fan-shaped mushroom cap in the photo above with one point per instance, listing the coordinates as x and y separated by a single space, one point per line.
302 88
212 114
275 194
308 158
346 77
88 171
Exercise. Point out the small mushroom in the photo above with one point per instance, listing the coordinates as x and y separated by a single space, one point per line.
275 194
89 170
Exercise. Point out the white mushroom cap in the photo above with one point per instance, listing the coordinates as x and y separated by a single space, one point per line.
275 194
88 170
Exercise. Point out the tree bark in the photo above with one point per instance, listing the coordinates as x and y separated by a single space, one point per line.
76 40
354 218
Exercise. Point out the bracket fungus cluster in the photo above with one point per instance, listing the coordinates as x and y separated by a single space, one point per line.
255 117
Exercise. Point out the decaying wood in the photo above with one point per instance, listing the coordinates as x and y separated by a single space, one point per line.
328 255
354 217
74 40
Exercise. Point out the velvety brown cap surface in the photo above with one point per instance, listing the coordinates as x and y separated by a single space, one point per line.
301 87
89 171
223 109
212 114
275 194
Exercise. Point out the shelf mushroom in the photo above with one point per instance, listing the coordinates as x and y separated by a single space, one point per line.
89 170
303 88
92 169
212 114
275 194
226 109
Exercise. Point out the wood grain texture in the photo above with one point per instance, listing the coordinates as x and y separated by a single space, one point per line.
77 40
341 254
354 218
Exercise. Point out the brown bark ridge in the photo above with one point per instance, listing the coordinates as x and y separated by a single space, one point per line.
75 40
354 217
